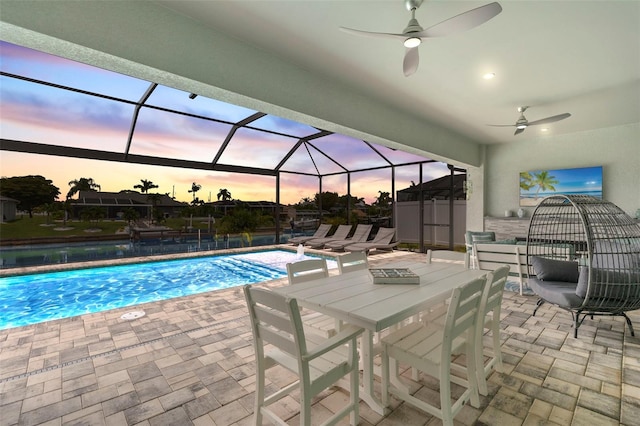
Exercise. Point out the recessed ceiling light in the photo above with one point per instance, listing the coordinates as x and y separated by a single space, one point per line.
489 75
544 129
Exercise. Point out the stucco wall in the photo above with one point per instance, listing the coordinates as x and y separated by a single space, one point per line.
617 149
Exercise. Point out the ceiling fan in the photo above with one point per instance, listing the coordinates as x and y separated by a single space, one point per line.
414 33
523 123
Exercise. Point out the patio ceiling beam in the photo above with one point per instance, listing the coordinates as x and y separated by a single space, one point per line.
368 169
92 154
136 113
232 133
320 134
345 170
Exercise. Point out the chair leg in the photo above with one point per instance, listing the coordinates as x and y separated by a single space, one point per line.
259 401
354 389
480 371
472 374
539 303
384 388
445 394
305 407
497 352
628 323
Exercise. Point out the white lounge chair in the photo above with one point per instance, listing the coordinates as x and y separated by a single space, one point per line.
321 232
382 241
360 235
341 233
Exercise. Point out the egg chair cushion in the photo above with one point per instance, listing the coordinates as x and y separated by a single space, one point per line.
559 293
555 270
608 284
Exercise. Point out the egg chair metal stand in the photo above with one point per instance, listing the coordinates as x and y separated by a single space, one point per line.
584 256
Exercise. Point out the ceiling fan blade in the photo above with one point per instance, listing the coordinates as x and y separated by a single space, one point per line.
463 22
550 119
411 61
501 125
373 33
518 131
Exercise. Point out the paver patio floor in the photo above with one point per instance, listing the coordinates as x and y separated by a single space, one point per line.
190 361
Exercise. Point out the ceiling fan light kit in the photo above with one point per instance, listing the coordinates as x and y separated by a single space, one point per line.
413 34
412 42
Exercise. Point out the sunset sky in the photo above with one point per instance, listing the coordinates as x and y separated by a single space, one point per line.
38 113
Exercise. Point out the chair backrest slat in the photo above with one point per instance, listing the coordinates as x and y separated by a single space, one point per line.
281 341
276 319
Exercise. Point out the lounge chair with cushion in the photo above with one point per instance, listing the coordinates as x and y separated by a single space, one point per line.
341 233
321 232
384 240
360 235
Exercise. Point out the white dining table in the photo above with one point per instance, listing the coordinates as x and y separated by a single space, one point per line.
354 298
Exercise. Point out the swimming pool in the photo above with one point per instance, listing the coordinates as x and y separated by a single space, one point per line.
30 299
62 253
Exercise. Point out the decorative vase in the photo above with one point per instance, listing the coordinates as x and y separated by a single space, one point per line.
520 213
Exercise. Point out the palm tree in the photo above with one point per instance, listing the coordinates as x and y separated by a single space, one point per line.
82 184
194 188
224 194
145 186
154 199
544 182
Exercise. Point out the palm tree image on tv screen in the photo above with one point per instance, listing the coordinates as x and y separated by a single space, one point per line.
535 185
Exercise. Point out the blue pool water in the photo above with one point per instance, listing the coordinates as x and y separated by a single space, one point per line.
30 299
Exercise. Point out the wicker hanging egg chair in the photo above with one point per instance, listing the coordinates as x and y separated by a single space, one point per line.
585 257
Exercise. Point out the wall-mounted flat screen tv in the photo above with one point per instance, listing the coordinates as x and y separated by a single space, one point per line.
537 184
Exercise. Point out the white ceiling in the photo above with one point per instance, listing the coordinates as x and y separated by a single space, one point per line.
581 57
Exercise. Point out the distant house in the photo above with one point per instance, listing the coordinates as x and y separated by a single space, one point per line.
8 208
115 203
437 189
265 207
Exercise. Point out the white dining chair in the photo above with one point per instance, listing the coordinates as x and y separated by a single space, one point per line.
352 261
489 319
429 348
439 311
448 256
488 356
279 339
307 270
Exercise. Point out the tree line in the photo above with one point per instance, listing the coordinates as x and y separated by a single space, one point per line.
36 193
